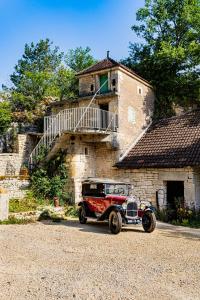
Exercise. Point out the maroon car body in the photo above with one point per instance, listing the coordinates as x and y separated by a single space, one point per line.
104 199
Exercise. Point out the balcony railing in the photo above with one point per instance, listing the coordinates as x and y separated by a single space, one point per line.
82 119
93 119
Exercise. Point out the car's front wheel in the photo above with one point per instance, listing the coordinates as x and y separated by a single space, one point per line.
149 221
82 215
115 222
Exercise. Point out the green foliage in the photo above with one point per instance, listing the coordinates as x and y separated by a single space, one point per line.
169 56
71 211
50 214
48 179
66 83
40 183
28 203
79 59
35 68
5 116
14 220
41 77
180 216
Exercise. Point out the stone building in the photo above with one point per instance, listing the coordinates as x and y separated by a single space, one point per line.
164 166
114 108
108 133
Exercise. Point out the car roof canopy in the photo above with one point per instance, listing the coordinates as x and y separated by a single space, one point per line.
91 180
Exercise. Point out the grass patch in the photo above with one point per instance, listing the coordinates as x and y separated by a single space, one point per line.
14 220
28 203
71 211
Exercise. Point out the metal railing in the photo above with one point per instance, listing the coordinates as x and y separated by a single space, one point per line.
85 119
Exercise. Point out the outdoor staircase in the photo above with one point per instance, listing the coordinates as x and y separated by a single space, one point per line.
73 120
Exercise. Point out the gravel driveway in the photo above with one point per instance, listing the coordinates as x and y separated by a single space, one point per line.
73 261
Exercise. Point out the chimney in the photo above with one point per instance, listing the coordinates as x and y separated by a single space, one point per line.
108 54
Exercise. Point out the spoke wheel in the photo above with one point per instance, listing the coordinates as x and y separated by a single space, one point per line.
82 215
149 221
115 222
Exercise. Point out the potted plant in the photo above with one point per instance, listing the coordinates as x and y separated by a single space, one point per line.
56 201
24 170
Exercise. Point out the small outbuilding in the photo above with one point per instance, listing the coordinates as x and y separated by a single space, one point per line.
164 166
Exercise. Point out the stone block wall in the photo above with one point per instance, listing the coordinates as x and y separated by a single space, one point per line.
136 106
10 163
87 80
4 206
15 187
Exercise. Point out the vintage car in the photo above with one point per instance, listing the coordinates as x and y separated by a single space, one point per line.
114 201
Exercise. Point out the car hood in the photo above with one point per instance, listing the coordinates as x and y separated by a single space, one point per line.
116 197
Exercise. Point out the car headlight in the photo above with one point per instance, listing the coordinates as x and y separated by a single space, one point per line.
124 205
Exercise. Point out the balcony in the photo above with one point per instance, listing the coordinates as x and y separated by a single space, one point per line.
81 119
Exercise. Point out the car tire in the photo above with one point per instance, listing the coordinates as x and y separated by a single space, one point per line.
115 222
82 215
149 221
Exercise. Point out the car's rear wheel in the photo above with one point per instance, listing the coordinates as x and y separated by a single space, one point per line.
149 221
115 222
82 215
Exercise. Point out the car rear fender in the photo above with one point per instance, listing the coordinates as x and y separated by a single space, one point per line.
107 212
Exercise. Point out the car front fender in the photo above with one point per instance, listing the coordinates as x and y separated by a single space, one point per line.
106 213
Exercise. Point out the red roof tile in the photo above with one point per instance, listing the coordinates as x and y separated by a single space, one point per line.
108 63
172 142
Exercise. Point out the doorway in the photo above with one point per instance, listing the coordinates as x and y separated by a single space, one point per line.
103 79
175 194
104 116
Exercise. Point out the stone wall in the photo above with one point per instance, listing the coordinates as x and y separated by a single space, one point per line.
151 184
10 163
15 187
136 106
4 205
85 82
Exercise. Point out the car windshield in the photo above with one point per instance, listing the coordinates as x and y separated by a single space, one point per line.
117 189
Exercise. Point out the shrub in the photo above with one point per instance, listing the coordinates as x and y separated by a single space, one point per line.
71 211
48 179
181 216
50 214
14 220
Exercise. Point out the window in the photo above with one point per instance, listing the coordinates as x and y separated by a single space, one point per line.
131 115
92 88
114 82
139 90
86 151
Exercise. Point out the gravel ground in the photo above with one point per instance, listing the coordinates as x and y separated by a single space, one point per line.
73 261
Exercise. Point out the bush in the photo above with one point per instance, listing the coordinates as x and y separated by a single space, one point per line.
50 214
71 211
180 216
14 220
48 179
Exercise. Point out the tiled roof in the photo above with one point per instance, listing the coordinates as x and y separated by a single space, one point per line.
172 142
107 63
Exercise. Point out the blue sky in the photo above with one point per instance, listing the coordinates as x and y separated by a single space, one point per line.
100 24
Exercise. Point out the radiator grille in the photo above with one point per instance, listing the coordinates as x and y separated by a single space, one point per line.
132 209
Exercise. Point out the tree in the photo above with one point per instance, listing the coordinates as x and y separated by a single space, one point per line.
66 83
34 71
5 116
79 59
169 56
41 76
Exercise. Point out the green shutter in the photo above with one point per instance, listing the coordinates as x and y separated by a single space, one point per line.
103 79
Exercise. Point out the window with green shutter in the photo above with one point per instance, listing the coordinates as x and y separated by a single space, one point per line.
103 83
